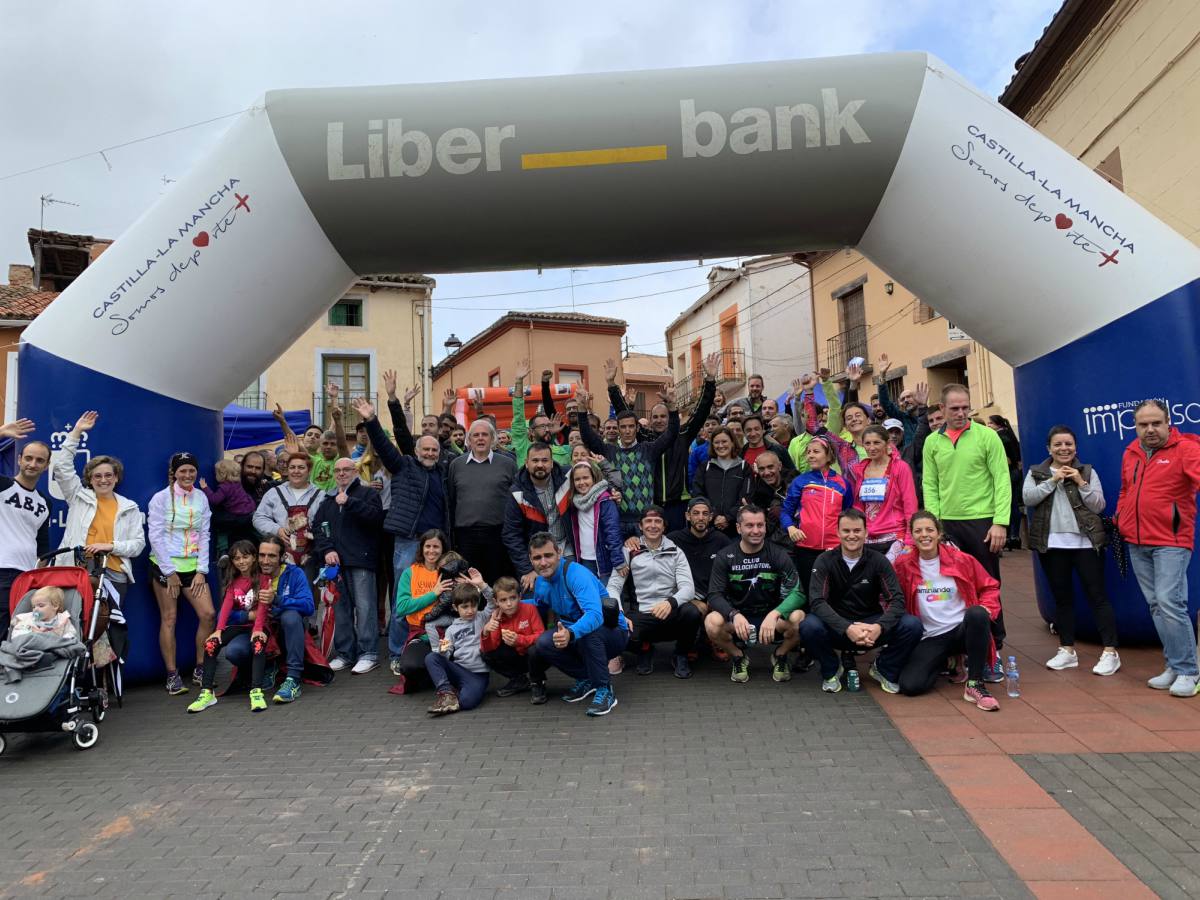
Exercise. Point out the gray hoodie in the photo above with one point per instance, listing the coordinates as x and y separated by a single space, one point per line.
662 574
464 635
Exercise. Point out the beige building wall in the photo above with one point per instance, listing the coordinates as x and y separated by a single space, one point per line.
915 338
1133 86
563 350
389 338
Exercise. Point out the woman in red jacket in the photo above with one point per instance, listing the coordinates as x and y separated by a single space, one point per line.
883 490
956 600
811 508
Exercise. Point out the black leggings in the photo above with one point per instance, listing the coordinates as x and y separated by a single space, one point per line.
507 662
805 559
212 649
970 535
1059 565
928 659
681 626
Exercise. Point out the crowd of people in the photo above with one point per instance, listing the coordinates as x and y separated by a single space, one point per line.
822 525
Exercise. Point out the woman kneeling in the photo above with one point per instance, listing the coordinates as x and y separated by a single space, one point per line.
956 600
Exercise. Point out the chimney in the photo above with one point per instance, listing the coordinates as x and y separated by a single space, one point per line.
20 274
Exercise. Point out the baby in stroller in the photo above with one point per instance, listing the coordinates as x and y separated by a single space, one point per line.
48 615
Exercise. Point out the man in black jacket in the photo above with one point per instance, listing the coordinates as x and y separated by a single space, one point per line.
346 534
700 543
539 501
855 603
671 471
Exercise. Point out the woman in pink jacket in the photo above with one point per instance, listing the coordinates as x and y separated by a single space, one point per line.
883 490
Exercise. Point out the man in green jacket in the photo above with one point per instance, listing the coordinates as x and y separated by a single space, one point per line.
536 429
966 485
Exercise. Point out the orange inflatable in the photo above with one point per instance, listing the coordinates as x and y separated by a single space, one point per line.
497 401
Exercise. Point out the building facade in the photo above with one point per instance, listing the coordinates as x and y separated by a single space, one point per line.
382 322
759 317
860 311
573 346
645 375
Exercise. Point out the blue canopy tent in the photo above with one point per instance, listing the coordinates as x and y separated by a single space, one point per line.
246 427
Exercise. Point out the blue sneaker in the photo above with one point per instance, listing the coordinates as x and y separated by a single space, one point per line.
994 674
603 703
288 691
581 691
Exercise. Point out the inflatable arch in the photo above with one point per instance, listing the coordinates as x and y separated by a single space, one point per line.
1090 296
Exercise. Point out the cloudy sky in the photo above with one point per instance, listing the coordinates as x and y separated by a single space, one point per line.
75 78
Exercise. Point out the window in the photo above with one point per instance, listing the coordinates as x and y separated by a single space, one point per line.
348 313
494 378
895 388
352 376
570 376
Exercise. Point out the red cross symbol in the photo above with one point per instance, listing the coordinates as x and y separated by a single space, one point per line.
241 201
1110 258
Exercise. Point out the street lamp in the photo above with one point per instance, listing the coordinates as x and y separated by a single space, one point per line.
452 345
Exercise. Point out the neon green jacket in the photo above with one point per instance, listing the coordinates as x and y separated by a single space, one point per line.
967 480
519 430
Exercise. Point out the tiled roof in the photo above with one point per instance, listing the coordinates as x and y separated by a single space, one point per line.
583 318
19 301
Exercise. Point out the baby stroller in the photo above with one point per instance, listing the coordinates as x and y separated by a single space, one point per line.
59 696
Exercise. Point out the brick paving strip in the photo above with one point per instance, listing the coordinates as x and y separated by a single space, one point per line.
689 791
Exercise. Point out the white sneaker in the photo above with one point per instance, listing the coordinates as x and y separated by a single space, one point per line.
337 664
364 665
1186 686
1162 682
1065 658
1108 664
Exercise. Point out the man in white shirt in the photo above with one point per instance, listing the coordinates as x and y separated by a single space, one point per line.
24 514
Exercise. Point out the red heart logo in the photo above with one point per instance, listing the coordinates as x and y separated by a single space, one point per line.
201 240
1061 221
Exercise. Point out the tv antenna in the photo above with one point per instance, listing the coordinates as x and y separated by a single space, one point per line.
47 200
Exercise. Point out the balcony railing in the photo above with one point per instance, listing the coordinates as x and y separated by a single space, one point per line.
730 371
252 399
841 348
321 411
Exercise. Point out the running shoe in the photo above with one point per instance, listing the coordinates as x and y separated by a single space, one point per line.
780 670
1065 658
206 699
682 668
1108 664
889 687
645 660
394 666
580 691
994 674
364 665
740 673
537 695
1185 686
337 664
258 703
602 704
288 691
833 685
1161 682
175 684
517 685
445 702
976 692
198 675
804 662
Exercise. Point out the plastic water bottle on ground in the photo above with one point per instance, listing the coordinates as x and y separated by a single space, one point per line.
1012 677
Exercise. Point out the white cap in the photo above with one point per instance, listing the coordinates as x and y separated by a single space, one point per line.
889 424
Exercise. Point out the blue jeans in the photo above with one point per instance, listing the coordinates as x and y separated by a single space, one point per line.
447 675
404 553
1162 575
897 642
291 634
355 633
584 658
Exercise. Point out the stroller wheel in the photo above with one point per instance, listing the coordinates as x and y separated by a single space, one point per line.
86 735
3 744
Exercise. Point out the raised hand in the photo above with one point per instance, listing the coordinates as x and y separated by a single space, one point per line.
411 394
389 382
610 370
556 423
448 397
583 398
883 365
365 410
333 391
667 396
278 414
710 364
854 373
85 422
523 370
203 484
921 393
547 375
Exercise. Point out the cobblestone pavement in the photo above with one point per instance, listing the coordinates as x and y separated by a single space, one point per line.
699 789
1145 808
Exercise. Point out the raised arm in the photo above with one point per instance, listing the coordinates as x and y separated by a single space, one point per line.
590 439
548 406
389 456
708 393
663 442
519 430
63 461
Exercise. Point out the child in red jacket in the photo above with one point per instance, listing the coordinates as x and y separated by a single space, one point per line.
509 634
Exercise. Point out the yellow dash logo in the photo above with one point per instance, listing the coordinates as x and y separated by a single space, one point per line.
609 157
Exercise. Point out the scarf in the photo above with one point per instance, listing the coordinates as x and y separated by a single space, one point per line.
585 502
421 581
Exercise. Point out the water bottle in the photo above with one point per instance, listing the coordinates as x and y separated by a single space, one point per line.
853 682
752 636
1012 677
